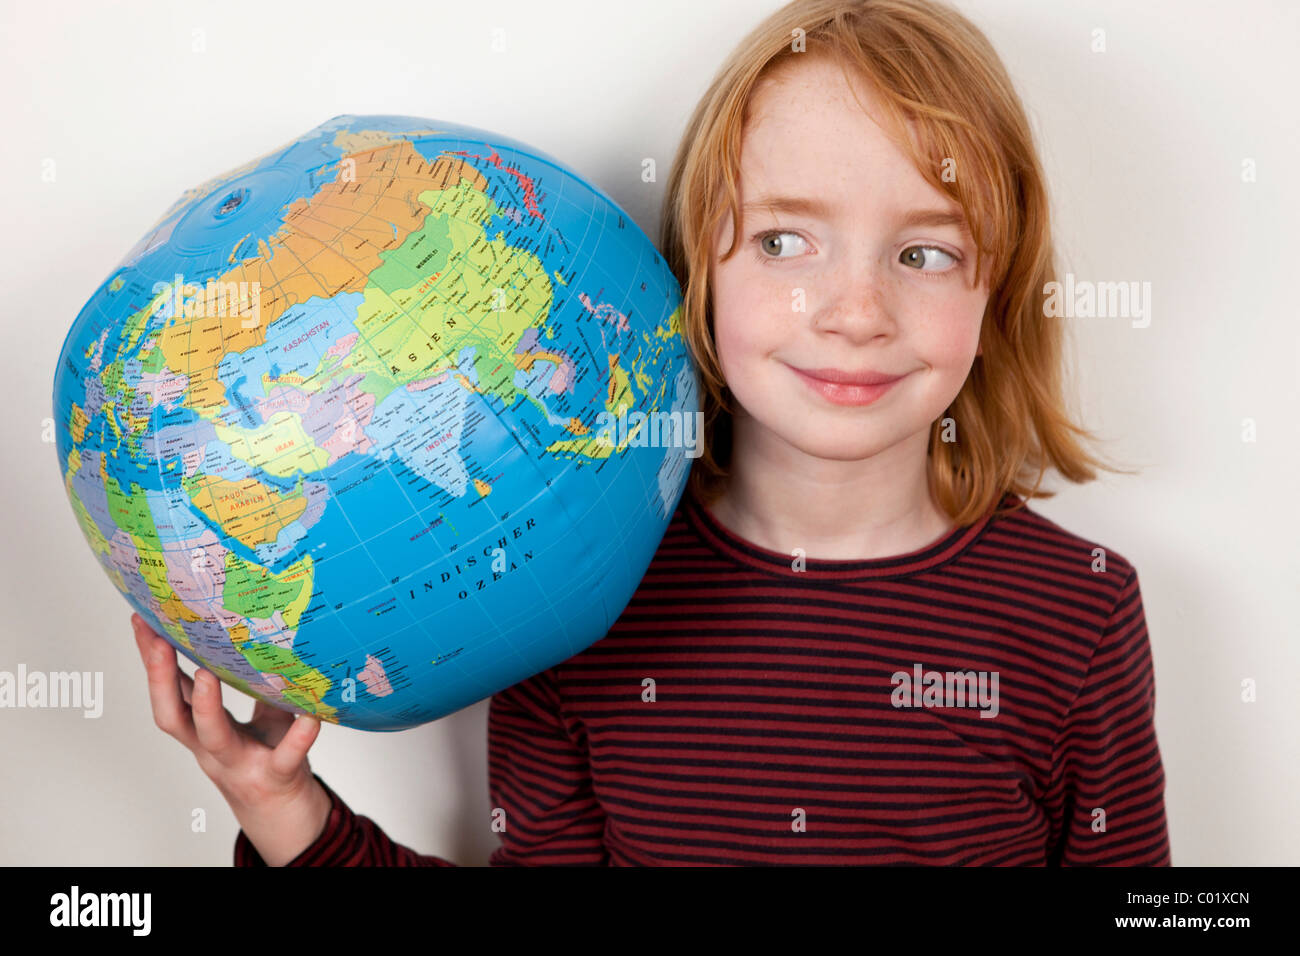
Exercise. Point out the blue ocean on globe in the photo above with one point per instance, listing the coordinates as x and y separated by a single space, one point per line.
382 422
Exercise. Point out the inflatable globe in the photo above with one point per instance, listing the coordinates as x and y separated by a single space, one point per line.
380 423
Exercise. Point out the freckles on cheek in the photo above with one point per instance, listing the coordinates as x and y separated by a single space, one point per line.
736 312
950 330
729 339
752 320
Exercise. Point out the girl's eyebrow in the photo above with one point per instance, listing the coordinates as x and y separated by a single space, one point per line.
794 205
934 217
820 209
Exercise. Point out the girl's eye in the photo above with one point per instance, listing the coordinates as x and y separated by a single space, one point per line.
774 244
913 256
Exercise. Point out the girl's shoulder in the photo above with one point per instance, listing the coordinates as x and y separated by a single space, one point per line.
1022 531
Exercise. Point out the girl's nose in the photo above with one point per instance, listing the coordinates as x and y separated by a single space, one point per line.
854 305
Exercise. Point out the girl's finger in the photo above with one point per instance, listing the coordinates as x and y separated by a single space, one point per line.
212 722
269 724
169 712
291 751
140 638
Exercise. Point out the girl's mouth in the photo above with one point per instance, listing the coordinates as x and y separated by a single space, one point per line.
848 389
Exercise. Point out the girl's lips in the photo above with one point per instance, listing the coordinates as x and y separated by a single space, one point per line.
845 393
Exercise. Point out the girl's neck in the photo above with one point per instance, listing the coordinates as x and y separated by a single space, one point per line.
780 499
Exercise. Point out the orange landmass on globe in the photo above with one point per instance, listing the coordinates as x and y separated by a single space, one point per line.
329 243
77 423
246 509
354 140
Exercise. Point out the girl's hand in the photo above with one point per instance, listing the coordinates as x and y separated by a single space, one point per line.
260 767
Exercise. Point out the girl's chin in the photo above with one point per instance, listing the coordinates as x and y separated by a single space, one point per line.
836 444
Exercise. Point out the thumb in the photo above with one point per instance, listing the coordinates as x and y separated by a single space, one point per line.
291 751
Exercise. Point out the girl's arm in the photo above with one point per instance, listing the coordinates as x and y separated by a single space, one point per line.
347 840
1106 801
538 775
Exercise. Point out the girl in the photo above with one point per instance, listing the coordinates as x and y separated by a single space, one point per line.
856 643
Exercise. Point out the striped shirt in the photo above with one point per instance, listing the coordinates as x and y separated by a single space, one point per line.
986 700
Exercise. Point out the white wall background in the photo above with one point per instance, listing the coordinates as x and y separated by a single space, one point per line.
1144 145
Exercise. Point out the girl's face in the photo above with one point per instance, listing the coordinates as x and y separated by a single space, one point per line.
850 262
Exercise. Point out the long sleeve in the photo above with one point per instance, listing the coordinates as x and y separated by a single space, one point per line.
1106 759
539 775
539 782
347 840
